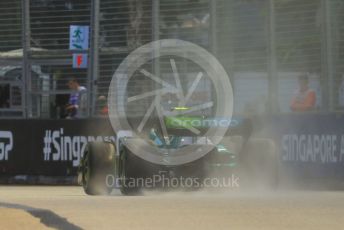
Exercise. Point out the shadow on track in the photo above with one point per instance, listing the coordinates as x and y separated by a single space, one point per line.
47 217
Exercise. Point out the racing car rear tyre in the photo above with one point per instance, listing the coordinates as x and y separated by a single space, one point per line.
98 163
262 163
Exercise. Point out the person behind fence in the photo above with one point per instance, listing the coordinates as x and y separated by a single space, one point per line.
76 106
102 107
304 98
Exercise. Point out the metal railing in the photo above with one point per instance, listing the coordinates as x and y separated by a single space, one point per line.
263 44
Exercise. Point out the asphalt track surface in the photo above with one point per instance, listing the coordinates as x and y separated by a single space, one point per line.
39 207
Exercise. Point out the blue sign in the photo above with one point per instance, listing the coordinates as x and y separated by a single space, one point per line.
80 61
78 37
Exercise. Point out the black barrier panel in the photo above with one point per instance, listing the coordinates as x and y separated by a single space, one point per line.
310 146
15 146
47 147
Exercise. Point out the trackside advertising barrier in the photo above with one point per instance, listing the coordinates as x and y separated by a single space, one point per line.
47 147
309 146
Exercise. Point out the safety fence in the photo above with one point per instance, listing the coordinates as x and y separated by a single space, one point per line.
264 46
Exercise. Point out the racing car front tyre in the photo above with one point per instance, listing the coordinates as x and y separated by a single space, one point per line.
97 164
127 167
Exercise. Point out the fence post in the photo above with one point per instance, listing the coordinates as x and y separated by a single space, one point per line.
327 60
272 60
93 71
26 73
156 34
213 27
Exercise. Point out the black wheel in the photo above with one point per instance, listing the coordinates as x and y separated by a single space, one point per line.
127 177
98 162
196 171
262 163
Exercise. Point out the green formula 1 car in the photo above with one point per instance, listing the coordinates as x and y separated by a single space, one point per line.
107 165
